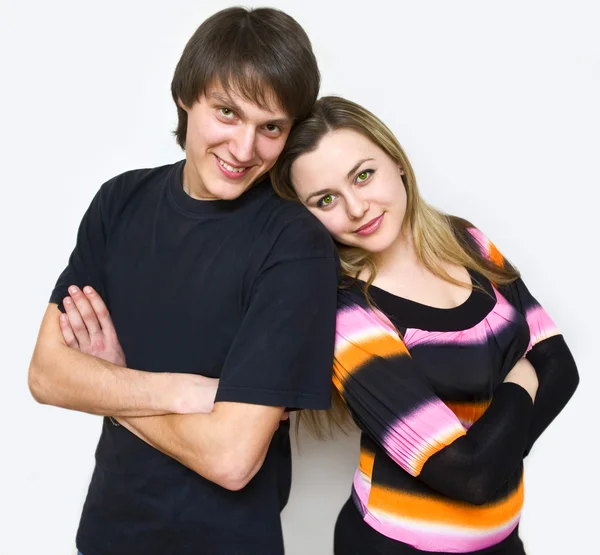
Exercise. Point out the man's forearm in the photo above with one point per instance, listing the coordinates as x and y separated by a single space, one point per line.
66 378
191 439
227 446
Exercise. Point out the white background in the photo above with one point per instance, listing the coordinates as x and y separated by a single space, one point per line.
496 104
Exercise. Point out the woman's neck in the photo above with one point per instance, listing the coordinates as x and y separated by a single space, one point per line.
399 257
401 272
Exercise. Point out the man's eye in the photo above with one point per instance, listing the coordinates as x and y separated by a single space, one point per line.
226 112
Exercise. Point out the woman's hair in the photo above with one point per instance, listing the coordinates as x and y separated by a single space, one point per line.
438 238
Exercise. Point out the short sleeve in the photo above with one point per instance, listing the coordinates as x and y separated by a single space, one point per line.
283 351
85 266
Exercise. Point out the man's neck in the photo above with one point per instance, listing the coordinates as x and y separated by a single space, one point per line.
192 184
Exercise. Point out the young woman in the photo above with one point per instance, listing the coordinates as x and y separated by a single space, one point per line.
443 358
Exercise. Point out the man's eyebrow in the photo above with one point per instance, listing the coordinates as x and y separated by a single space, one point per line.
280 122
357 165
225 99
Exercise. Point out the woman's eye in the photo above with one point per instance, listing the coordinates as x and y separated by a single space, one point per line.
326 201
363 176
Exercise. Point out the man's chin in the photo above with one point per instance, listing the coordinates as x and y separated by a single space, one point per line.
231 191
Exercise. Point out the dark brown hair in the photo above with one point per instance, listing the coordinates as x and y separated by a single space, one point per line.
262 54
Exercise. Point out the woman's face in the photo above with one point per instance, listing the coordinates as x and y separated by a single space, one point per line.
354 188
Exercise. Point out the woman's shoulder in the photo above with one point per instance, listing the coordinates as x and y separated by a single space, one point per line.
473 240
351 294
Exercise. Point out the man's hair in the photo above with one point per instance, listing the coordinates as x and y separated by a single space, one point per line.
262 54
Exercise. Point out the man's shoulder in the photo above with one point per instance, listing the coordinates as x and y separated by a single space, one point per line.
133 179
118 192
293 228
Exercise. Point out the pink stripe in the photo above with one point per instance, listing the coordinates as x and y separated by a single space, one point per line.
499 317
482 241
540 324
504 307
493 323
436 538
473 336
417 436
362 487
355 321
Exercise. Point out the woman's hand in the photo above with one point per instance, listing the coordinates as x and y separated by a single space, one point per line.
523 374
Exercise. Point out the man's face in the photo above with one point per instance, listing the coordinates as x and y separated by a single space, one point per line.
230 143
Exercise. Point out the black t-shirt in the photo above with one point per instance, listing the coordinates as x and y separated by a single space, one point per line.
242 290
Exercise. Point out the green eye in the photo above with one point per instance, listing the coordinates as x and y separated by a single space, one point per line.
327 200
226 111
363 176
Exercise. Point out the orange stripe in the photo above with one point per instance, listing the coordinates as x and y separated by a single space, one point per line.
495 255
456 513
352 356
468 412
367 460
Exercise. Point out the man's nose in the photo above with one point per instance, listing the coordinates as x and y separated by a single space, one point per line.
242 143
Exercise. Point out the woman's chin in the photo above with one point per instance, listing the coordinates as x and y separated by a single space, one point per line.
371 244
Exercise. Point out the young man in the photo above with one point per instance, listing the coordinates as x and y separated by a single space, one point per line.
207 274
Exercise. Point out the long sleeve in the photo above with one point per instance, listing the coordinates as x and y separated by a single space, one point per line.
550 356
548 353
394 404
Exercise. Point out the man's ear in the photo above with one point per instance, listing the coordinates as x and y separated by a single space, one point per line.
181 104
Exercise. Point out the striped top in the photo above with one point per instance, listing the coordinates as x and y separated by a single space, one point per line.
443 437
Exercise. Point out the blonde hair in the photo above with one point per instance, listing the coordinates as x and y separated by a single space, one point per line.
438 238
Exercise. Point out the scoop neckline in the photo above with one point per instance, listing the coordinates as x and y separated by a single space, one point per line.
413 314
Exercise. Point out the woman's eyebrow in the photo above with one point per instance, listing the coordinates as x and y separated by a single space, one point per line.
349 175
357 165
316 194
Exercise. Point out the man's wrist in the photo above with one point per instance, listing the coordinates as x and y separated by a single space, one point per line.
165 392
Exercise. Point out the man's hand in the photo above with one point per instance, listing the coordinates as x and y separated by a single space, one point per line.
88 327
